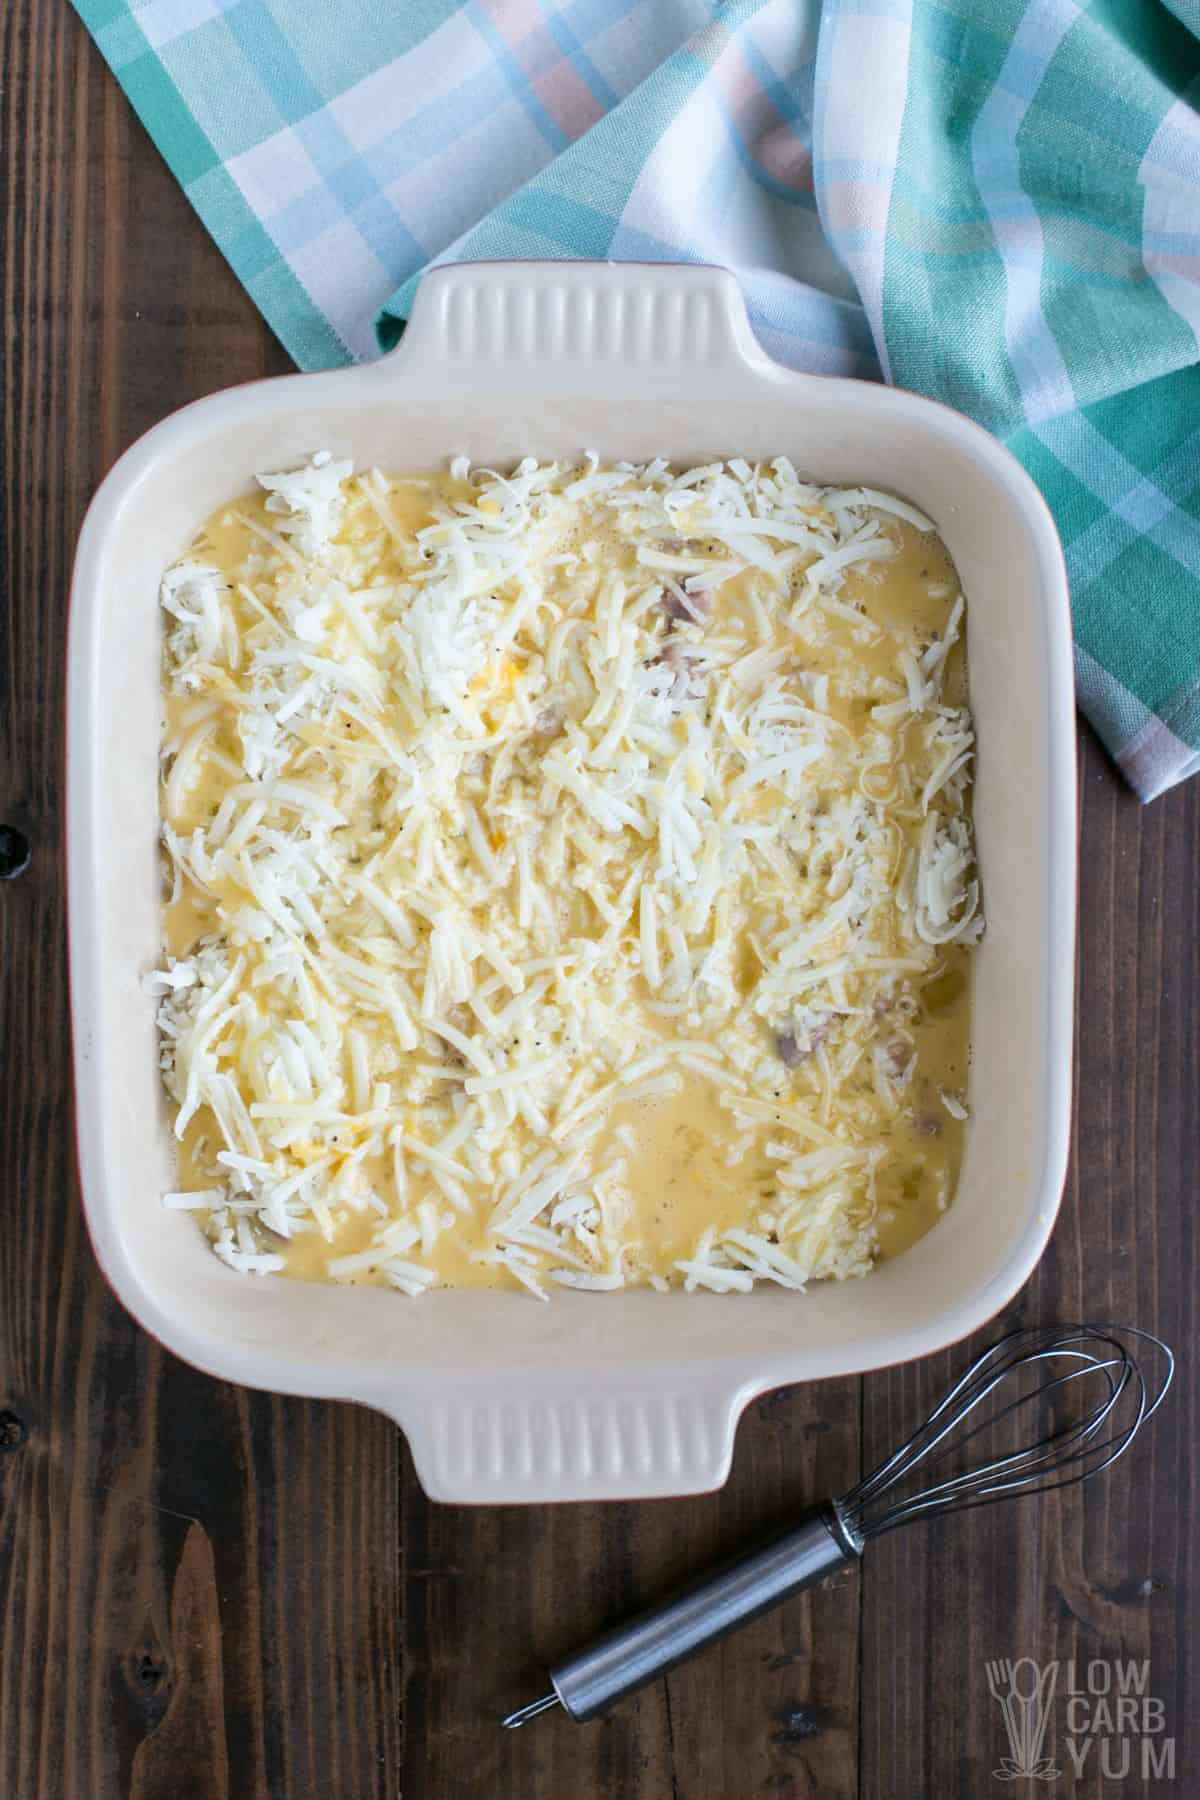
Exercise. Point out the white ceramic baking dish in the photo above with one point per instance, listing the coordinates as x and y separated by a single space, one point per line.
504 1399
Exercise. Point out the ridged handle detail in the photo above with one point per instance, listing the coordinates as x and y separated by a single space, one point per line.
658 318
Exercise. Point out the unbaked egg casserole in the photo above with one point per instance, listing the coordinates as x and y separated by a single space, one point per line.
570 876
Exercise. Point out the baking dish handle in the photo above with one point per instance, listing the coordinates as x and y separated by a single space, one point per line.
576 1441
523 320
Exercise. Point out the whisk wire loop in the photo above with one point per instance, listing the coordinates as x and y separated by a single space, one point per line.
1065 1453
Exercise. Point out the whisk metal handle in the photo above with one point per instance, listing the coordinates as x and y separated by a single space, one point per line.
634 1653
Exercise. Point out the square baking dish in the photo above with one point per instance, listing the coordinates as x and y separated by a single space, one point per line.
591 1396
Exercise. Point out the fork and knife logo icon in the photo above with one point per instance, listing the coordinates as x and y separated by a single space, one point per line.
1024 1692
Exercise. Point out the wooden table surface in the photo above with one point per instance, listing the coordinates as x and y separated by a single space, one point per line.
211 1593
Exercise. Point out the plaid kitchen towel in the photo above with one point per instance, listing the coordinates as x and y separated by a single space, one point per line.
996 202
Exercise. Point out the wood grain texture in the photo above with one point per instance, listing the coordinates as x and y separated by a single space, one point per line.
207 1594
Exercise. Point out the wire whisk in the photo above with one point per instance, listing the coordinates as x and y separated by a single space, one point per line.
1081 1390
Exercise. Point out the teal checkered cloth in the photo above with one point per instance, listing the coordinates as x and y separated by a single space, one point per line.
996 202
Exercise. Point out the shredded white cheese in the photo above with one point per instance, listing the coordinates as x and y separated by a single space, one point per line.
598 783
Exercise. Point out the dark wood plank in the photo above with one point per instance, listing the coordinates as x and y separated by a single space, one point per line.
199 1591
1107 1571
